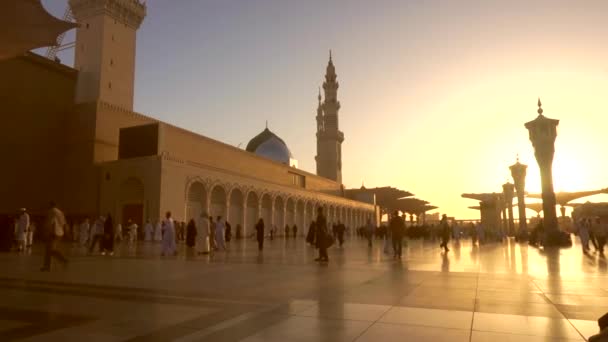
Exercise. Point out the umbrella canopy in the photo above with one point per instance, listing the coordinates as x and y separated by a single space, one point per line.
26 25
562 198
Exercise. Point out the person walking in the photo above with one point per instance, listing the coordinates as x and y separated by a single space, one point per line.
369 232
340 228
168 245
148 231
84 232
397 228
583 233
23 224
97 234
445 233
191 234
220 239
311 235
202 236
322 236
228 233
259 230
108 236
54 229
295 231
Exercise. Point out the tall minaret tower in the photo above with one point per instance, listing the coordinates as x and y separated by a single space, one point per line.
105 49
329 137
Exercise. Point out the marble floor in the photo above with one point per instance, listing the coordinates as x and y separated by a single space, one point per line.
496 292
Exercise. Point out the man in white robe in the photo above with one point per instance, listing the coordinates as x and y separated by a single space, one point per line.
168 245
202 234
158 231
220 228
84 232
148 231
23 224
132 231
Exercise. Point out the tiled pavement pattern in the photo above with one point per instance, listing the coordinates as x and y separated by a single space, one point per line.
496 292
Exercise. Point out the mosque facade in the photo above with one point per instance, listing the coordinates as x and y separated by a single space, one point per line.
75 139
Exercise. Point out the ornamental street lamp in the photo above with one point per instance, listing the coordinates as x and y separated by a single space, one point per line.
508 190
518 172
543 132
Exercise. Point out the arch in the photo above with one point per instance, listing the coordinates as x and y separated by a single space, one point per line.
252 213
310 214
290 212
267 210
196 200
300 216
217 205
237 211
279 214
131 201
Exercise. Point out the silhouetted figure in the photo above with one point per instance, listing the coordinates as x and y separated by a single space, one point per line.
369 232
54 229
259 230
397 229
286 231
295 231
603 335
228 233
191 234
311 235
322 234
107 245
98 230
445 233
340 228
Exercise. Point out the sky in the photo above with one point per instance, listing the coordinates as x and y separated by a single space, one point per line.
434 93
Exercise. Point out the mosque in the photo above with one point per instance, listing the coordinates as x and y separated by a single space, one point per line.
74 138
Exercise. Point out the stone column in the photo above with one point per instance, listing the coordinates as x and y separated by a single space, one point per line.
508 191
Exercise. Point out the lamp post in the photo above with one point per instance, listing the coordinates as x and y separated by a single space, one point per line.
508 190
518 172
543 132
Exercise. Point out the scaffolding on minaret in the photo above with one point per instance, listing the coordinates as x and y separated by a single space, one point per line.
51 52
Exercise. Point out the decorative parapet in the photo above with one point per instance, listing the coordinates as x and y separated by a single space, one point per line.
129 12
119 109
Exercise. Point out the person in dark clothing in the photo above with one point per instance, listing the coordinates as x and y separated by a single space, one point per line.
228 232
6 234
108 236
310 236
286 231
322 235
445 233
295 231
259 230
191 234
340 229
397 228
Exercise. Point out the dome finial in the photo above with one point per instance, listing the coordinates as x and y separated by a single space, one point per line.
540 107
330 55
266 124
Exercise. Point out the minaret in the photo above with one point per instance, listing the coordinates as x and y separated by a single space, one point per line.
329 137
105 49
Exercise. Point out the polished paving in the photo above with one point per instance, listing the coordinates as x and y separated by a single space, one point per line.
496 292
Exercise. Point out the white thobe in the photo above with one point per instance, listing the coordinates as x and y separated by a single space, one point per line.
220 241
84 233
148 229
202 235
158 233
168 246
22 225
